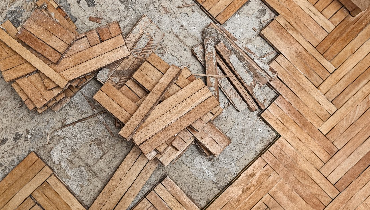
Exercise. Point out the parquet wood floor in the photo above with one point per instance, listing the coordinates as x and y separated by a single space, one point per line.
321 160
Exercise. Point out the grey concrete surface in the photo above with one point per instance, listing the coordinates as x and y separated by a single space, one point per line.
86 154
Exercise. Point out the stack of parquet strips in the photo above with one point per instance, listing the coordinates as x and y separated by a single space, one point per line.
166 196
160 129
230 68
321 160
48 61
356 6
32 185
221 10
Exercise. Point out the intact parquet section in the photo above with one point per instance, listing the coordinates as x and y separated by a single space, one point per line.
32 185
321 159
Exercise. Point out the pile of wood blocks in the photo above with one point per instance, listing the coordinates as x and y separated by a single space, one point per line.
163 108
48 61
229 68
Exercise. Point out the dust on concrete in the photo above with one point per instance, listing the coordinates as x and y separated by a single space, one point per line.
86 154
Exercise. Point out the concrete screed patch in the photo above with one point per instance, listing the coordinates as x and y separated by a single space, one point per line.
86 154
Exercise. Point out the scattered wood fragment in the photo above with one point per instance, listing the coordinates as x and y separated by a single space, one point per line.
95 19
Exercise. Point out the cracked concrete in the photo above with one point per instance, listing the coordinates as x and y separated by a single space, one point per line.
86 154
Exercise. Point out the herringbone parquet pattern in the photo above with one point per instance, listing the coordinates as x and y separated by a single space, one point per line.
321 159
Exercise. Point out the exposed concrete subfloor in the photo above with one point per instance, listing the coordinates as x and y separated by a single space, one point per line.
85 154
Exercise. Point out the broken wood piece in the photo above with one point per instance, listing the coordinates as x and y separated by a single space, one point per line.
238 86
211 65
231 94
95 19
171 116
211 138
225 54
179 125
150 102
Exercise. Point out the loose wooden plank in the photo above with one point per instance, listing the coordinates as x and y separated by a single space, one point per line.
32 59
95 63
171 116
18 72
104 33
32 92
77 46
90 53
11 62
39 46
119 98
174 100
179 125
41 18
112 106
10 28
46 36
211 65
178 194
115 181
150 101
137 185
93 37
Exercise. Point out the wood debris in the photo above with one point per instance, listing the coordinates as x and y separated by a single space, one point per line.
221 56
157 106
49 62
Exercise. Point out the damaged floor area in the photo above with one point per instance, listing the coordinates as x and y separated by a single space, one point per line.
81 142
